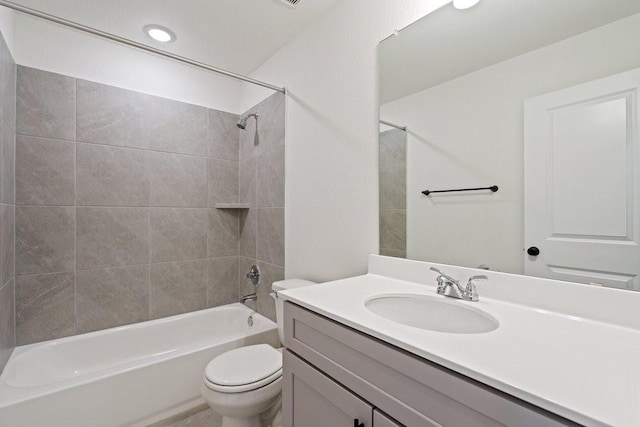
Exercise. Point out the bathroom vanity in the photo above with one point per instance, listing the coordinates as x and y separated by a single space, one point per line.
543 365
375 379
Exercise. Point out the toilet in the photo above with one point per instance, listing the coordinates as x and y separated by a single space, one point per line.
244 385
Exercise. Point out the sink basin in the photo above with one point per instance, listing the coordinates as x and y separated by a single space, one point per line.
434 314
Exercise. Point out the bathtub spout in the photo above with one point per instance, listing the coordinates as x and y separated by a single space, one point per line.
250 297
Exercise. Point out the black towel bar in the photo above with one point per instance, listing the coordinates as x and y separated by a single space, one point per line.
493 188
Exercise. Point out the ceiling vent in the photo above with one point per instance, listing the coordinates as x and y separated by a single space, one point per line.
291 3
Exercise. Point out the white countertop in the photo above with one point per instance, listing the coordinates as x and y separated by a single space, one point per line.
584 370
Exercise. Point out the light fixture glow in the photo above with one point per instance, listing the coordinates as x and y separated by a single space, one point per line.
464 4
159 33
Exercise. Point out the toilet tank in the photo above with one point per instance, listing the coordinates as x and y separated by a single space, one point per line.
284 285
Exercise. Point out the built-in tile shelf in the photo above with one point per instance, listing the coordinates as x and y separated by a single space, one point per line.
233 205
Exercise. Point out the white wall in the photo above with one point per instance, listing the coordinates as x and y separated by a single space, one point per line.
330 71
469 132
50 47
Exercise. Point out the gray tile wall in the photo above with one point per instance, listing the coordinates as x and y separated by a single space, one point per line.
393 193
115 214
261 184
7 202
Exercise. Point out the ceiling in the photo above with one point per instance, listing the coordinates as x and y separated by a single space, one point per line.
237 35
450 43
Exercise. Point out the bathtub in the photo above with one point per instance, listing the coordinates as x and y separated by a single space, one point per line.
130 375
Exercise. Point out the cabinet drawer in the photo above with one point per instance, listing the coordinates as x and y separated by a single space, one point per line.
410 389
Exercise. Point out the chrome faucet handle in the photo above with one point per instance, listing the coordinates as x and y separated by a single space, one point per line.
437 271
477 277
254 275
470 290
442 284
444 275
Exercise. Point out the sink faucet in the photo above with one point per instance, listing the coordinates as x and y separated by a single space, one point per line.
468 293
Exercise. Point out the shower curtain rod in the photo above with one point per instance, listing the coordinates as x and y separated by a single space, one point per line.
134 44
404 128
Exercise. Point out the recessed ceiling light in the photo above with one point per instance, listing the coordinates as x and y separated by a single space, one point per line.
159 33
464 4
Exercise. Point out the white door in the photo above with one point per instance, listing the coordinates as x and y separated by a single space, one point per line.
582 189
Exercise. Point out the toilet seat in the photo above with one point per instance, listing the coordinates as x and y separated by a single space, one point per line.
244 369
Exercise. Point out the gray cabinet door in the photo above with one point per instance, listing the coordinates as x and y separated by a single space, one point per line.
381 420
311 399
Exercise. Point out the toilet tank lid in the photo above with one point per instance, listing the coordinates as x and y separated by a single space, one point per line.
283 285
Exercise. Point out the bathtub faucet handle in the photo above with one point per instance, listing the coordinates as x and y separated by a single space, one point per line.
254 275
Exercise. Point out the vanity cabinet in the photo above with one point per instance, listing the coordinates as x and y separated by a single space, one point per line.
318 401
334 375
315 400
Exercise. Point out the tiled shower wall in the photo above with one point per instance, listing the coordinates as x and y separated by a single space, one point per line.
7 201
262 178
115 218
393 193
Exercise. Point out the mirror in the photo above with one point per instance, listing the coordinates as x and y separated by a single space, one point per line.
536 97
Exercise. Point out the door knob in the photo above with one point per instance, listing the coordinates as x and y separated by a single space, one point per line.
533 251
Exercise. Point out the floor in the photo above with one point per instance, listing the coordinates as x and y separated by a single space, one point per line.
202 416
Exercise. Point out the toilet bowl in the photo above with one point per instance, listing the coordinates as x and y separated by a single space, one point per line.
244 385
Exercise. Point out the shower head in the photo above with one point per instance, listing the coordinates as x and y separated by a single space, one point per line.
242 123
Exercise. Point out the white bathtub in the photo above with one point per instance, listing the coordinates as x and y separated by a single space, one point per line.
127 375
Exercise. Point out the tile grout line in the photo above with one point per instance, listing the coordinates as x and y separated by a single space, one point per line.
263 262
122 207
208 224
147 118
15 151
238 214
75 203
126 147
126 266
257 242
149 287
